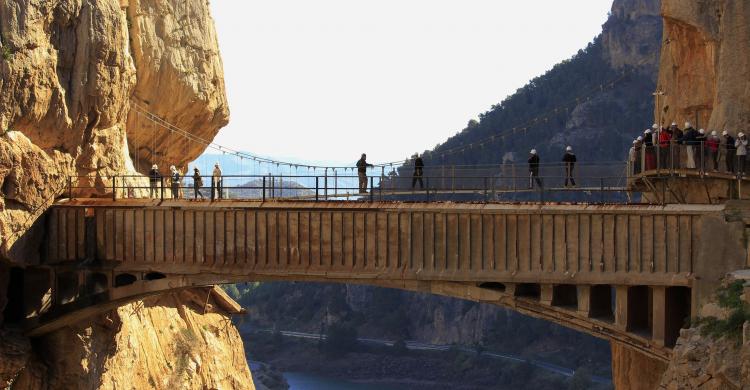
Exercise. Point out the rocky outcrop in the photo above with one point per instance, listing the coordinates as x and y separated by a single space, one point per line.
628 35
704 64
178 341
633 370
180 79
70 72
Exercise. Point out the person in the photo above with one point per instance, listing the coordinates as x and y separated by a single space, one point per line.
155 181
418 172
648 145
712 150
633 157
638 154
569 159
729 151
217 183
741 145
362 173
197 183
700 149
534 169
677 139
174 180
690 140
665 140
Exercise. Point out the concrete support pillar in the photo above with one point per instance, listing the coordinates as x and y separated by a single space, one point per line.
546 294
584 300
659 332
621 307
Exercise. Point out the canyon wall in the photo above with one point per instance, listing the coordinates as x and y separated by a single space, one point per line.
704 64
79 79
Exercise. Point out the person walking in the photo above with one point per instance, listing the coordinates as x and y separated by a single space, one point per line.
729 150
197 184
534 169
418 172
217 183
174 181
154 178
569 160
741 145
632 158
362 166
712 150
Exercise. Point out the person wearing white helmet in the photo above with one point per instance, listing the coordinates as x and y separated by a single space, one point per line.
648 147
569 161
154 178
712 151
689 138
741 145
700 149
633 157
174 181
728 150
534 169
665 141
217 183
197 183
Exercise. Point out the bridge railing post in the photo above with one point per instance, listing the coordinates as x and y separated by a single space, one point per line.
114 188
162 189
372 189
601 188
317 187
70 187
263 196
325 184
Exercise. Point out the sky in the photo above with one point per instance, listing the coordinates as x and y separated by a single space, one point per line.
326 80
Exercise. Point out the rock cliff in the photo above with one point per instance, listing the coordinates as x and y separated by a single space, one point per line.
182 340
704 64
72 73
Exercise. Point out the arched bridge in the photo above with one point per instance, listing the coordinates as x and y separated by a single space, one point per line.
630 273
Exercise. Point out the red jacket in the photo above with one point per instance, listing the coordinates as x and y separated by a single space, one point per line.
664 138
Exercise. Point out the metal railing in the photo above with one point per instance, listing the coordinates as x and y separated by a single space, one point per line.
677 159
435 183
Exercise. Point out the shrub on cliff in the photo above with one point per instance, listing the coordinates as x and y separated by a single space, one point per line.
729 298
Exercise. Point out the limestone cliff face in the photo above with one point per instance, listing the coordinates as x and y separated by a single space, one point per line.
69 72
704 64
177 341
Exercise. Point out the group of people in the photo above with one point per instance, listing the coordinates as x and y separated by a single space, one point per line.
156 181
675 148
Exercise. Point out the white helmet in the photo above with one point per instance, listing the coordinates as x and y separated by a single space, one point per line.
701 131
655 126
533 151
154 167
674 124
640 138
741 134
569 149
687 124
635 142
724 133
713 133
648 131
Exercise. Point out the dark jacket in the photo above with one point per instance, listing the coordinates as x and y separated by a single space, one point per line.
175 176
418 166
700 138
197 179
730 143
362 166
154 176
569 159
648 140
677 135
534 164
689 137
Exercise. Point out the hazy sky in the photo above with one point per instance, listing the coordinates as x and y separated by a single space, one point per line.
325 80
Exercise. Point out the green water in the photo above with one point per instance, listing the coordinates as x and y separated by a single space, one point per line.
303 381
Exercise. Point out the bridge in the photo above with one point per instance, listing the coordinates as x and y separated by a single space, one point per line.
628 273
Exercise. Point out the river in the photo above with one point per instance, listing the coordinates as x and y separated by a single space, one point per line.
304 381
